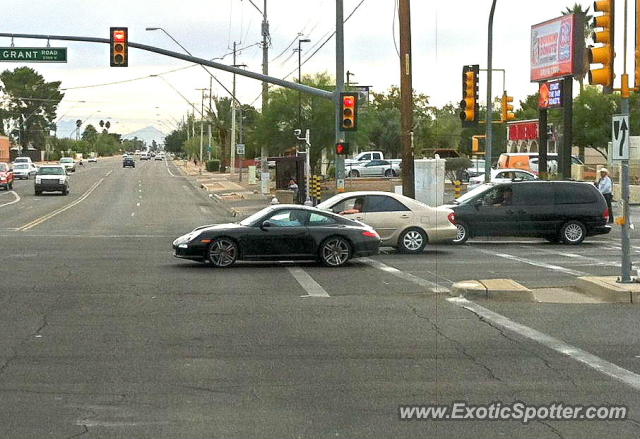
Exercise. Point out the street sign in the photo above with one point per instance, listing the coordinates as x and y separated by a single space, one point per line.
240 148
33 54
620 137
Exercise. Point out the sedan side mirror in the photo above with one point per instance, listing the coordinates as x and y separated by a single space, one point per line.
265 224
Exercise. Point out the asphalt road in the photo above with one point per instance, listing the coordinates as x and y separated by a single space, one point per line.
106 335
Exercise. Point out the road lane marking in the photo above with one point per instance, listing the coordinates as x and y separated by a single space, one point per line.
108 173
312 287
50 215
204 210
433 287
133 214
537 263
16 199
584 357
138 204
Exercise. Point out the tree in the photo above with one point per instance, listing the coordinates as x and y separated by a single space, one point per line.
90 134
174 142
592 112
588 30
31 104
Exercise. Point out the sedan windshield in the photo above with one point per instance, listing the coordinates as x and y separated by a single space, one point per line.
51 171
66 160
21 166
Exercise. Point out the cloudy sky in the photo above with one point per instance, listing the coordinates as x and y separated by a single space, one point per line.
446 35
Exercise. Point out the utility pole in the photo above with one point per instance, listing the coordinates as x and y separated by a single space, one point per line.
339 89
624 177
264 167
233 118
406 95
300 41
488 152
201 127
209 148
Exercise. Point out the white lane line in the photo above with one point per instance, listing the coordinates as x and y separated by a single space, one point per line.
204 210
166 162
50 215
584 357
16 199
137 204
537 263
587 259
434 287
312 287
108 173
133 214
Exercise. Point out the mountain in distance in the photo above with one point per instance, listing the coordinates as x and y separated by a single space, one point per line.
148 135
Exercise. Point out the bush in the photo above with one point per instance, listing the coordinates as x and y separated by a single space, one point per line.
213 165
455 166
331 172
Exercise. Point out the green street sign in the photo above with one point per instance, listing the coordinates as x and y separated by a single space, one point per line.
33 54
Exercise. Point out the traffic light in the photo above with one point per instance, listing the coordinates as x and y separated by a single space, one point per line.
603 54
507 108
349 111
342 148
469 107
119 38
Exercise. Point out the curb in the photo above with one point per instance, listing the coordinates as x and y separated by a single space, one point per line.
607 289
506 290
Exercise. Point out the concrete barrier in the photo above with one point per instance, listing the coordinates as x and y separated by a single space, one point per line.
285 196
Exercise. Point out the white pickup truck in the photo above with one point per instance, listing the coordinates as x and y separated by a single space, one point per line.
366 156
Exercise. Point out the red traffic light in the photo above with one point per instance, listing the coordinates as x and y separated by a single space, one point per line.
348 101
119 35
342 148
349 111
119 47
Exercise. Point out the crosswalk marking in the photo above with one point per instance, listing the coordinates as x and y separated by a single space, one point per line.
312 287
433 287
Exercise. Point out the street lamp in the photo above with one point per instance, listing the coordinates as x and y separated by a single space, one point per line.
300 41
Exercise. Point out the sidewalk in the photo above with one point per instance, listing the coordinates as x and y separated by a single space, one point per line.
241 199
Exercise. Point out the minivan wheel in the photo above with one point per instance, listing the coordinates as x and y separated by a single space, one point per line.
354 173
412 241
573 232
463 234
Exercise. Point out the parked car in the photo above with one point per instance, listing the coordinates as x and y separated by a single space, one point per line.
375 168
476 169
159 156
282 232
128 162
24 171
52 178
144 156
503 176
525 161
555 210
69 163
401 222
6 176
93 159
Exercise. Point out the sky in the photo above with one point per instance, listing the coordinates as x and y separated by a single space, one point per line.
445 36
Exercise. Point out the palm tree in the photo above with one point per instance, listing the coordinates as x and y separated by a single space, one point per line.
588 30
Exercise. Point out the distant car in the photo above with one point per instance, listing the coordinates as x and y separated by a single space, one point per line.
128 162
401 222
24 171
93 159
477 168
159 156
281 232
144 156
52 178
6 176
566 211
503 176
375 168
22 160
68 163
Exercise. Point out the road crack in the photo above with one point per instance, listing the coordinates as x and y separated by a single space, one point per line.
457 344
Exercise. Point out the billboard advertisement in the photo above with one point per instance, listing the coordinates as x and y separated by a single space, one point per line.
550 95
556 47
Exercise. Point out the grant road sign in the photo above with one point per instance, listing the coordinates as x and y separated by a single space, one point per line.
33 54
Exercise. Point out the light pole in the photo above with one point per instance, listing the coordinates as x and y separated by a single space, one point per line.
300 41
489 128
201 127
307 164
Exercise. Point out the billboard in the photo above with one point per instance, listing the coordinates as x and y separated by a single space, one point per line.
557 48
523 130
550 95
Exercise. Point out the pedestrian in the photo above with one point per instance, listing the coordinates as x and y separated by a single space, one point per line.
293 186
605 186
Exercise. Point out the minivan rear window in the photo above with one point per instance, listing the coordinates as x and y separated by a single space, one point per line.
532 194
574 193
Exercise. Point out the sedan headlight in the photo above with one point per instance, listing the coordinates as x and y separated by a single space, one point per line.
38 180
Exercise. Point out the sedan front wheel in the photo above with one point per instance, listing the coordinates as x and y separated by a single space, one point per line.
463 234
223 252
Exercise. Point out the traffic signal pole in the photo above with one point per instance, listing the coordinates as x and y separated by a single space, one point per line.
340 172
625 276
489 116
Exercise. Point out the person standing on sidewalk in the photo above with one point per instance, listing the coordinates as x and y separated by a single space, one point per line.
605 186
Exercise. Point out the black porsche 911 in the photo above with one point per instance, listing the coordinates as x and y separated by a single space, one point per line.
281 232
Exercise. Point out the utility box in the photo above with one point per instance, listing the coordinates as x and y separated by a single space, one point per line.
429 181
